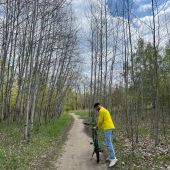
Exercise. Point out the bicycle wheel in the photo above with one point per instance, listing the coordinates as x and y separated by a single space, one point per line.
97 150
97 156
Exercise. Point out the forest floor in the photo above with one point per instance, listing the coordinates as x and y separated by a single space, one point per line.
146 155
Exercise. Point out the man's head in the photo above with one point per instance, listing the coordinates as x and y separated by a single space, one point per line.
97 106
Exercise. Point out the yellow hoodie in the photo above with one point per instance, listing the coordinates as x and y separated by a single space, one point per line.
104 119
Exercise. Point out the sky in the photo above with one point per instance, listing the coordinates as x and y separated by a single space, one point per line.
141 11
141 14
141 8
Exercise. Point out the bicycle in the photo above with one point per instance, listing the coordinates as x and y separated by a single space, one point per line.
95 142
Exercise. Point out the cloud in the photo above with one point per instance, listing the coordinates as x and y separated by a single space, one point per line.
137 1
81 11
144 25
145 7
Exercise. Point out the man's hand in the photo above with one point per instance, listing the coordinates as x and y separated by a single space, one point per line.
95 128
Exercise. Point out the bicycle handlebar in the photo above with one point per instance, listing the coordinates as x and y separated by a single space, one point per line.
86 123
91 124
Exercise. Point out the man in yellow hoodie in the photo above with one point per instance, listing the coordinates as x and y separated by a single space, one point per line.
106 124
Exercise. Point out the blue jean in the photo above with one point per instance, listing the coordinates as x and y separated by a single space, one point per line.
109 144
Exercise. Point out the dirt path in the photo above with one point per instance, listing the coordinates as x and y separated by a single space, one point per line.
77 150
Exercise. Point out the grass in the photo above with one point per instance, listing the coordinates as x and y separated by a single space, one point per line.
161 159
82 113
17 154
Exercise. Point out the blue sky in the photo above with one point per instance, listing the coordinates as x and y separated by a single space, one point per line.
141 8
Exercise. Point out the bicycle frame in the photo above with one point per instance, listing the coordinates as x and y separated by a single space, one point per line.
95 142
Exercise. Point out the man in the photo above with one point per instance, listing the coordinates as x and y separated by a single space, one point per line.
106 124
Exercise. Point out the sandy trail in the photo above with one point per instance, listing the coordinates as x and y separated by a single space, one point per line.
77 150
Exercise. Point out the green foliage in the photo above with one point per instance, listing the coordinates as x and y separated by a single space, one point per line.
75 101
14 97
144 74
70 101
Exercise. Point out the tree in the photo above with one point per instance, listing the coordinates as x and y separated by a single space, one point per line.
39 57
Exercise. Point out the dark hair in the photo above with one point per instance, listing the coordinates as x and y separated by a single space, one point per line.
96 104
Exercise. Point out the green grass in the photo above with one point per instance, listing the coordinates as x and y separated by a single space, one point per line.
17 154
82 113
161 159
